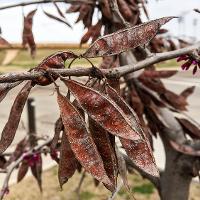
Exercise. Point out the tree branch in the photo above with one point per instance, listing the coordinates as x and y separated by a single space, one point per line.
45 1
16 163
109 73
153 179
116 13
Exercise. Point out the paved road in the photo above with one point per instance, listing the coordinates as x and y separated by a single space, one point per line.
47 110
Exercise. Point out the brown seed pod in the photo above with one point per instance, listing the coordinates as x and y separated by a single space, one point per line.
28 38
125 10
125 39
23 169
177 101
2 161
57 18
36 170
93 32
11 126
57 130
105 148
185 149
73 8
81 141
19 150
189 128
139 151
67 163
158 74
102 110
105 8
187 92
56 61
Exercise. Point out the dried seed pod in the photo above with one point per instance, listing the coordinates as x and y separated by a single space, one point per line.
19 150
57 61
93 32
23 169
73 8
154 84
58 129
103 110
177 101
2 161
81 141
58 9
125 10
105 8
105 149
67 163
185 149
139 151
125 39
158 74
187 92
36 169
28 38
11 126
85 14
189 128
57 19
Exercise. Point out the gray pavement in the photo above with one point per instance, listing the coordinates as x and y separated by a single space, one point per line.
47 111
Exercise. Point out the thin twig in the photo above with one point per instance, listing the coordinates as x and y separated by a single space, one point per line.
16 163
109 73
120 185
45 1
78 189
116 13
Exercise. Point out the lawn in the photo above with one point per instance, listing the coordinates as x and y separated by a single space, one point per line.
141 189
23 60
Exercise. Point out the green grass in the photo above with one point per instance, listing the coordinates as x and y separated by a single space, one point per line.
87 195
146 188
24 60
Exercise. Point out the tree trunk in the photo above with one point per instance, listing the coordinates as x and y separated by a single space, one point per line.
177 176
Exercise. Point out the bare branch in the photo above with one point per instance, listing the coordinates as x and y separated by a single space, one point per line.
109 73
45 1
16 163
153 179
120 185
78 189
116 13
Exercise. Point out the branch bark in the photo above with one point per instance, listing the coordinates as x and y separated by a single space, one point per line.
109 73
44 1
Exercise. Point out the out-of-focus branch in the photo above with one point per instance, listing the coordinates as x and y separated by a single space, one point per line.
197 10
153 179
16 163
116 13
45 1
109 73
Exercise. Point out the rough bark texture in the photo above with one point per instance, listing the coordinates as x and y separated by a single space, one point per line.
177 176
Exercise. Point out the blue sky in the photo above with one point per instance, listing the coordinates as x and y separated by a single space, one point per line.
47 30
